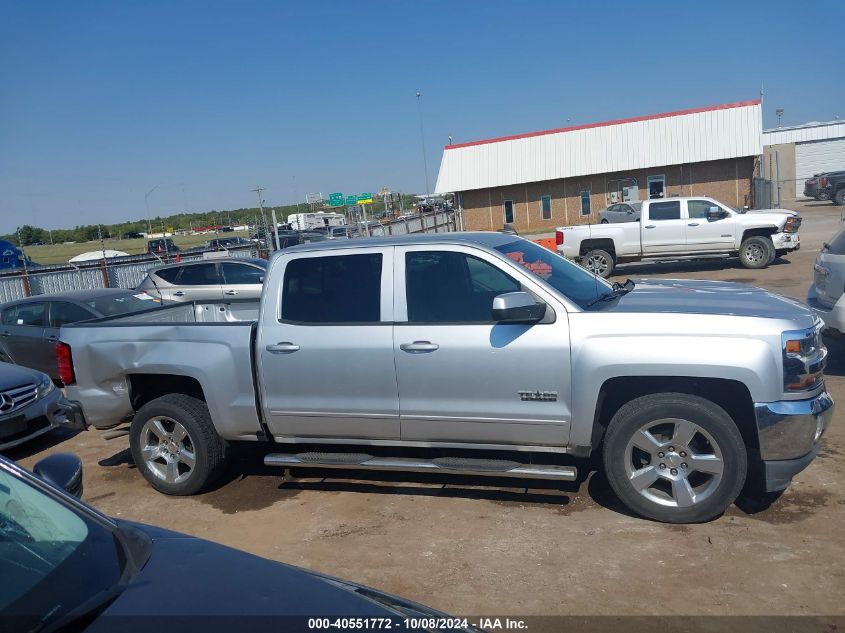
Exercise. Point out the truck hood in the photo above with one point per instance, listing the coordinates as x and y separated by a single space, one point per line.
775 216
684 296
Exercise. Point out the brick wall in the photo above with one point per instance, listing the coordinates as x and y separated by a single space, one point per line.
727 180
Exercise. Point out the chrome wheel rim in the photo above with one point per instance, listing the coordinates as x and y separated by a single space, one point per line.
597 264
674 463
167 449
754 253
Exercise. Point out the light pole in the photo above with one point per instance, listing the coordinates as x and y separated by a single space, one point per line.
147 204
422 141
779 113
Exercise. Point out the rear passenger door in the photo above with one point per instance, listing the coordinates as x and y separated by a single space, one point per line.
325 346
198 282
664 230
63 313
24 337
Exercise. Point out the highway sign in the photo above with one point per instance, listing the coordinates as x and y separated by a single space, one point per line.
365 198
335 199
350 200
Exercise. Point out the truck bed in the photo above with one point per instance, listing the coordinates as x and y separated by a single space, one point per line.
208 343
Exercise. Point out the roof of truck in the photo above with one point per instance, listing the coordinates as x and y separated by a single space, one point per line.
488 238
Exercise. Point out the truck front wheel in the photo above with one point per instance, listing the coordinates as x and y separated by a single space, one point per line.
756 251
839 197
175 446
598 262
674 457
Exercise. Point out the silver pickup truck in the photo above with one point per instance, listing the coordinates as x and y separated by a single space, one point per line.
473 353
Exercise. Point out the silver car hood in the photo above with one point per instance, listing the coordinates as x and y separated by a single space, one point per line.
685 296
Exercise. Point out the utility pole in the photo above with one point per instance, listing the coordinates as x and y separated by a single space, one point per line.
422 140
258 189
147 204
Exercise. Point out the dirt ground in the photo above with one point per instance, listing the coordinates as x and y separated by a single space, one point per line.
505 550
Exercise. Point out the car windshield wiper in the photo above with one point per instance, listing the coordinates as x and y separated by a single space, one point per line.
617 291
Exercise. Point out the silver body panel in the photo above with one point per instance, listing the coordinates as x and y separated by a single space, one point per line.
826 296
472 385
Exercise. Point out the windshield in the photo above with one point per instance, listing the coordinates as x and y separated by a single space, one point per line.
52 558
114 305
574 282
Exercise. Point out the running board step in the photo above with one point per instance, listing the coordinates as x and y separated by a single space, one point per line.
452 465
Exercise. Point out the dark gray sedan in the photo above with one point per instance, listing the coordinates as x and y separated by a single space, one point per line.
622 212
30 405
29 328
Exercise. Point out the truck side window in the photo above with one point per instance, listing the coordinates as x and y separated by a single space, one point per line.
9 316
63 312
29 314
665 210
450 287
697 209
333 289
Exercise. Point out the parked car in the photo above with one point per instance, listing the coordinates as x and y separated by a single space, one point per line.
483 344
30 405
132 235
826 296
343 232
683 228
104 572
622 212
229 242
163 246
813 187
29 328
832 185
206 280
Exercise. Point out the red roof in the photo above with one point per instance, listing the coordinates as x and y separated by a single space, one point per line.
648 117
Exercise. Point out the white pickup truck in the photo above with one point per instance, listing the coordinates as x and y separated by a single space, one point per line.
683 228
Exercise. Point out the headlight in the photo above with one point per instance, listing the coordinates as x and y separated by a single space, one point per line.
45 386
793 222
804 357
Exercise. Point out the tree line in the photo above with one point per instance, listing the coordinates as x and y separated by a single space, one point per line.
28 235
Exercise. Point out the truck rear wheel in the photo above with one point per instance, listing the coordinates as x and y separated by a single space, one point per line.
175 446
756 251
599 262
675 457
839 197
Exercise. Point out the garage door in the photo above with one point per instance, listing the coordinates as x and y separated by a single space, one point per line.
814 157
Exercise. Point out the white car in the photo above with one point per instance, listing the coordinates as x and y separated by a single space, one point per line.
683 228
826 296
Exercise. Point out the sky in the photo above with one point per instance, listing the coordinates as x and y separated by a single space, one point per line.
100 102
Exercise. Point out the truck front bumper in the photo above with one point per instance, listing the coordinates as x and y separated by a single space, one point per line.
789 432
786 241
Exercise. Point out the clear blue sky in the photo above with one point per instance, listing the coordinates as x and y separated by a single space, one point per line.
101 101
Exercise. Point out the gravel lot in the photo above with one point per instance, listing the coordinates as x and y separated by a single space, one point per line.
498 549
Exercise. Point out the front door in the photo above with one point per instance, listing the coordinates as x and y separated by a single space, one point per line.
241 280
704 234
463 377
24 337
325 356
664 231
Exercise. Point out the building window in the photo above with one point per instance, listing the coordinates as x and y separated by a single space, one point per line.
656 187
585 202
546 207
508 211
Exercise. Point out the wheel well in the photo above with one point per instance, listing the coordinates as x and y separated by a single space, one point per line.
605 245
146 387
731 395
764 232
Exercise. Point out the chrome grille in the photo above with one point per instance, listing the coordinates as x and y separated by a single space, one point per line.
13 399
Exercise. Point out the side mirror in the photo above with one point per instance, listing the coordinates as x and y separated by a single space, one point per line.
517 307
715 213
63 470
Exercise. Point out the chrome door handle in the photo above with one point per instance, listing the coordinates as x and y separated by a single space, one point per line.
650 226
231 292
52 338
178 293
419 347
6 334
283 348
693 224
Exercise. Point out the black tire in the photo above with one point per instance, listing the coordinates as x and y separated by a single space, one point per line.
756 251
203 442
599 262
604 221
839 197
716 492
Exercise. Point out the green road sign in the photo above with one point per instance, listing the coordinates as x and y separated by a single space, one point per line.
351 200
365 198
335 199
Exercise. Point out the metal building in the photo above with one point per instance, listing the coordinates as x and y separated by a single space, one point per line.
566 175
794 154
